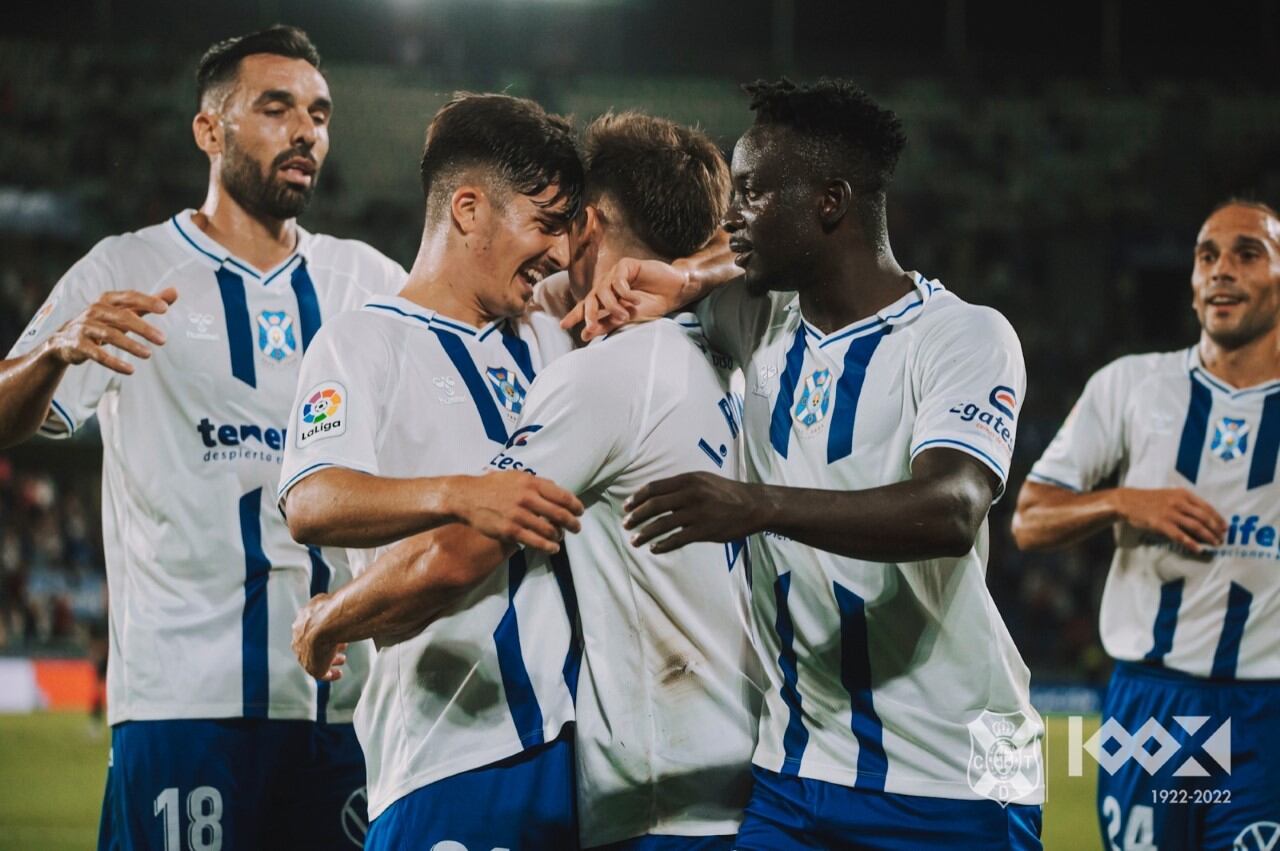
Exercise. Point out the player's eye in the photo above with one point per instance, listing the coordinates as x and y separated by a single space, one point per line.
320 118
274 111
1206 257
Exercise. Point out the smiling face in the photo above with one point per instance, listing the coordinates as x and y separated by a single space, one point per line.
274 135
773 218
521 240
1235 282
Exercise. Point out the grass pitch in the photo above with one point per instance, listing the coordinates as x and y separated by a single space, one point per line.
53 769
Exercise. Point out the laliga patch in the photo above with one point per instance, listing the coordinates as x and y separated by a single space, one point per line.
276 339
37 321
813 402
508 389
322 413
1230 439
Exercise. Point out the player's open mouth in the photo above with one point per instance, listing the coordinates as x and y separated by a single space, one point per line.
532 275
1224 300
298 170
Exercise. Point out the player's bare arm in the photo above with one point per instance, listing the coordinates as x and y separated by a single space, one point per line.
28 383
346 508
934 514
396 597
1048 516
636 290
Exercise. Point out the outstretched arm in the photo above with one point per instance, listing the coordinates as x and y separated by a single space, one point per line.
636 290
396 597
934 514
345 508
1048 516
28 382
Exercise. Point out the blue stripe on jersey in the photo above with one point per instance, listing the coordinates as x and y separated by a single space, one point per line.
308 304
239 331
1191 447
62 413
796 737
855 674
522 700
476 386
780 426
848 390
1262 469
573 659
255 688
1166 620
320 576
519 350
1228 652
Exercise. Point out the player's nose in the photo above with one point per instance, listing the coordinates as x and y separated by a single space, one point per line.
733 218
558 253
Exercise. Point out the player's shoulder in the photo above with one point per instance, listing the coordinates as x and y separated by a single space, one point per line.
948 321
355 259
1134 369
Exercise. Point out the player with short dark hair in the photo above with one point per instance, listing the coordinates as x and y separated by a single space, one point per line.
670 683
879 421
462 724
1192 602
185 338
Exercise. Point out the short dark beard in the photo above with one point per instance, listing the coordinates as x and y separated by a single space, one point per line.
262 195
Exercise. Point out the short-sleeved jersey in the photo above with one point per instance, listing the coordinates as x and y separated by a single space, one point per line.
1162 421
668 702
397 390
884 674
203 575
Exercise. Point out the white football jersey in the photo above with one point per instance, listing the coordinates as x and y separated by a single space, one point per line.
203 576
1162 421
395 389
885 675
669 698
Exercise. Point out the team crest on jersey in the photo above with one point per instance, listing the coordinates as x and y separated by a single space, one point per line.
1230 439
1004 756
322 413
814 401
507 386
275 335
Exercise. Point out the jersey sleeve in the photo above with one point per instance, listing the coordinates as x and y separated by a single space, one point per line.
735 321
338 407
577 424
970 381
1090 445
82 385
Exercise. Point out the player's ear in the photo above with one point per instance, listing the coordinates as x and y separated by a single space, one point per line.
468 207
207 130
837 197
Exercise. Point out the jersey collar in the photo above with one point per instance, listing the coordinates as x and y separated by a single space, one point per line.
185 232
1198 373
902 311
687 320
414 313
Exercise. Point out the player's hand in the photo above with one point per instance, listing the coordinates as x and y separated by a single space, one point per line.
633 290
108 322
322 659
519 508
695 506
1175 513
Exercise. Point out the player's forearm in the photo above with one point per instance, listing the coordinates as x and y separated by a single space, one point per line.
338 507
907 521
409 586
711 267
27 385
1049 516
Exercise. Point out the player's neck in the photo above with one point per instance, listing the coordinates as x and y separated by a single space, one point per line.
1247 366
438 281
262 243
859 285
